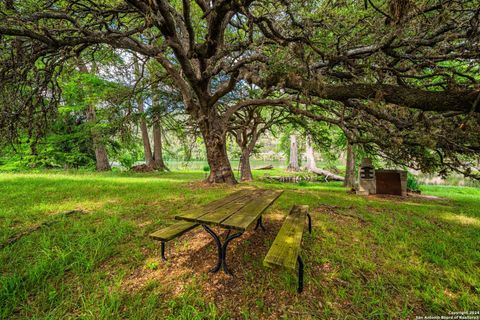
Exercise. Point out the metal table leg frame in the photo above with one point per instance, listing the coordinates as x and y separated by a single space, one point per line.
300 274
162 251
259 223
224 250
221 249
228 233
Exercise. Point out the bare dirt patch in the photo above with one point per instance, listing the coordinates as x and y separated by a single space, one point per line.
142 224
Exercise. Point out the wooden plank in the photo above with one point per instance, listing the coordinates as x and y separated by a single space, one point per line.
173 231
223 213
196 213
286 246
246 216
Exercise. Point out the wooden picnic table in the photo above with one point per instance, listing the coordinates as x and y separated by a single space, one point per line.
237 212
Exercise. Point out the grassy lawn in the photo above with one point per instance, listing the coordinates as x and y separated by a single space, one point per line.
376 257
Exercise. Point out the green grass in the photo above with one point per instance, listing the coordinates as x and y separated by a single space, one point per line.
367 257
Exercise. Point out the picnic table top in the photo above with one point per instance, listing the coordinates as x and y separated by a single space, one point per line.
237 211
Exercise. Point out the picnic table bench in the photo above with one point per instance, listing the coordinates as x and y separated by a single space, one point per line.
236 212
285 249
171 232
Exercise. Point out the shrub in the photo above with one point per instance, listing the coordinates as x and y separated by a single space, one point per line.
412 183
126 160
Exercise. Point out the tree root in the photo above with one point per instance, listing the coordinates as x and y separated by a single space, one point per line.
332 210
36 227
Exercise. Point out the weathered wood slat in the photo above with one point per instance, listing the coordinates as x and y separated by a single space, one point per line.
196 213
286 246
247 215
232 208
173 231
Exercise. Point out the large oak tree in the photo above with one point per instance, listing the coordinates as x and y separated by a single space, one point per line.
417 54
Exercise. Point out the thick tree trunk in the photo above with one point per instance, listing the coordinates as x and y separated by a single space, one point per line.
350 168
220 169
245 169
158 163
310 165
146 140
293 163
214 136
101 156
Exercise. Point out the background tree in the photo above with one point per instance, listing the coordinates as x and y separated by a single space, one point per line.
139 70
350 167
293 159
247 125
157 113
309 153
101 156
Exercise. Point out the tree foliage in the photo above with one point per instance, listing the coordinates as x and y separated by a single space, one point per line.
399 77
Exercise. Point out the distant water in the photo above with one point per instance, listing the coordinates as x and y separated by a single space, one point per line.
199 164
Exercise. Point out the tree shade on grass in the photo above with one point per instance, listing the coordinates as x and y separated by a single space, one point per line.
376 257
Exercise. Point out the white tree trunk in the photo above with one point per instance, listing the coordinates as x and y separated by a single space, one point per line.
293 164
328 175
310 165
